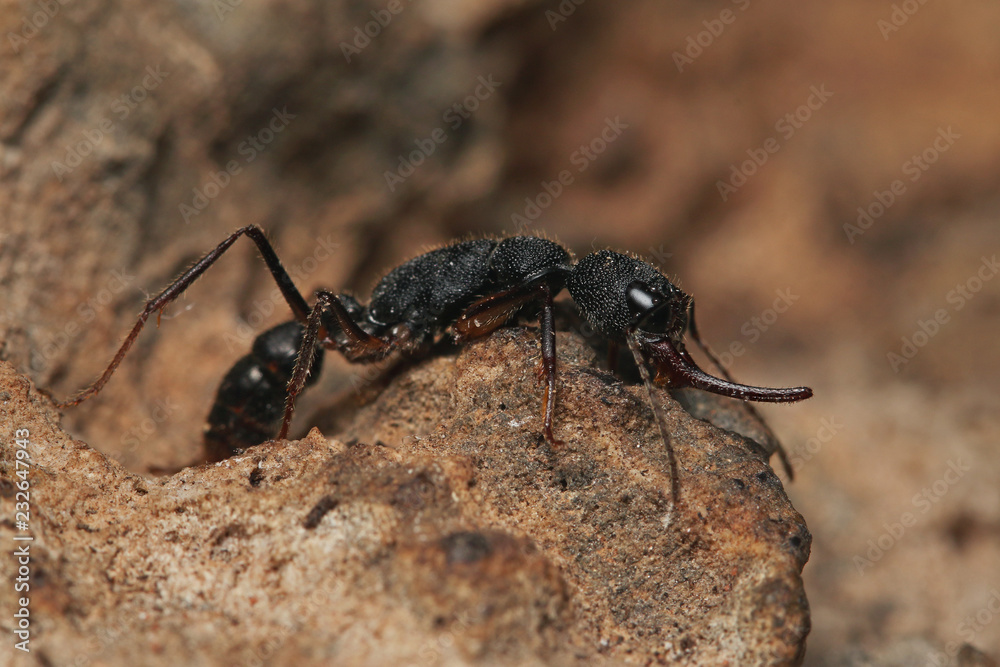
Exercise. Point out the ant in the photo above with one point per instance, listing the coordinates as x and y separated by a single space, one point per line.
472 287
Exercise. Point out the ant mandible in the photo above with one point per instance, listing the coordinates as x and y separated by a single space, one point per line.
473 287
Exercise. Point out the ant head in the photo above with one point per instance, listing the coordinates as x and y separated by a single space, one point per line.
629 301
619 294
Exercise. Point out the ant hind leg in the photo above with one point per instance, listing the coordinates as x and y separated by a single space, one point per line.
176 288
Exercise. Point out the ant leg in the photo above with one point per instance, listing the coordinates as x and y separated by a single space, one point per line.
612 356
493 311
768 433
635 347
693 330
303 362
158 303
360 346
546 319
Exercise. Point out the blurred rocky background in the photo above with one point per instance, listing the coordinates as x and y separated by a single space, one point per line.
822 178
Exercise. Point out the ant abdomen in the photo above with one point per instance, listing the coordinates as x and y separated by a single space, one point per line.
250 401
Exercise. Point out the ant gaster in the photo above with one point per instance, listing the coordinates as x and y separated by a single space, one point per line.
472 287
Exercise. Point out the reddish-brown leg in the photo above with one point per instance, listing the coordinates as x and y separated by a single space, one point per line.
361 346
176 288
493 311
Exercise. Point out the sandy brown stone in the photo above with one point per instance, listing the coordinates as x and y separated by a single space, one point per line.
136 135
447 532
79 254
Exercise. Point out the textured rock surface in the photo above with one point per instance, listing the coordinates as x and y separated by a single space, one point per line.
445 531
874 437
136 135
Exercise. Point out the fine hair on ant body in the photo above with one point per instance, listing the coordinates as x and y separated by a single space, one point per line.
470 287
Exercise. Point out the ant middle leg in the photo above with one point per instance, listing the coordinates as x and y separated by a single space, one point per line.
491 312
292 295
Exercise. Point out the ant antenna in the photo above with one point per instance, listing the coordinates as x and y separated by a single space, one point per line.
661 423
768 433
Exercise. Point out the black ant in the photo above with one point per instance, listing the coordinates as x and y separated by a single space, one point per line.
473 287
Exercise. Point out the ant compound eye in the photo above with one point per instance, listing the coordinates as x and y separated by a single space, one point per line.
641 300
649 308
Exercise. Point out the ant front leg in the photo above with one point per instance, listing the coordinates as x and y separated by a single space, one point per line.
176 288
493 311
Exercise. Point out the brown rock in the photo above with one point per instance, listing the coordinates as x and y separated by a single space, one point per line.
136 135
449 532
